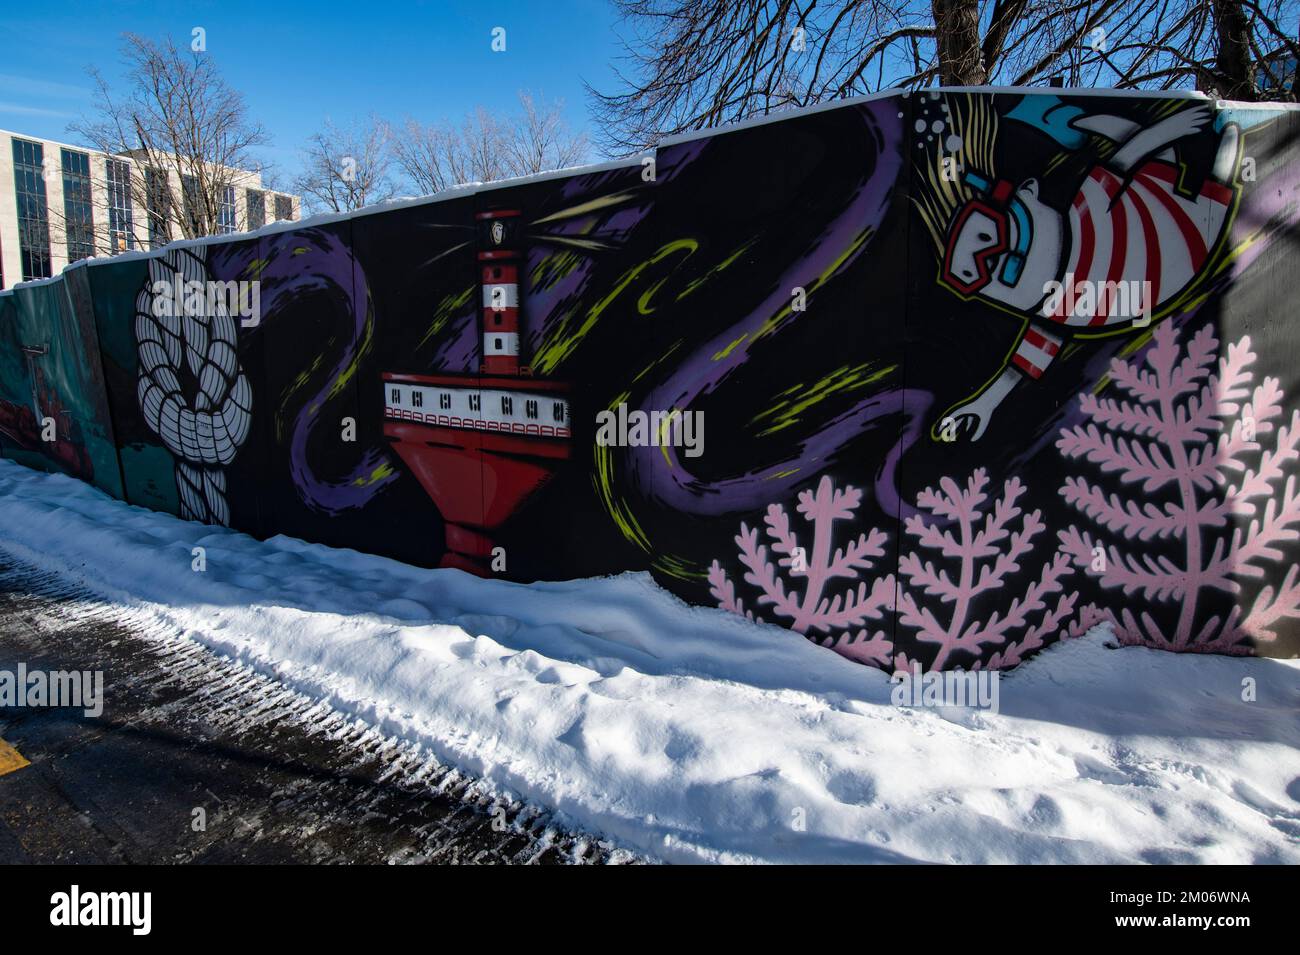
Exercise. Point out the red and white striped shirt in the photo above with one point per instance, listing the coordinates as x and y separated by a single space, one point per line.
1149 234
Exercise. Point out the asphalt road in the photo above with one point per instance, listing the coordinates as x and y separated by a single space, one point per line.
198 759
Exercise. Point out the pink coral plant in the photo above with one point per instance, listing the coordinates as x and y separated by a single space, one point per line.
807 602
1203 444
981 546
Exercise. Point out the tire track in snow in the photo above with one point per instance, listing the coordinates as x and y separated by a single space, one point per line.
337 789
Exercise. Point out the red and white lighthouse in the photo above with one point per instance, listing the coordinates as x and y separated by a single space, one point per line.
499 280
482 443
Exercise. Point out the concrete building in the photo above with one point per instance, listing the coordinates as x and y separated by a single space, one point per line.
60 203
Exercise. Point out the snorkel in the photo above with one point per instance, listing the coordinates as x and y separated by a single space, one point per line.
1003 195
997 201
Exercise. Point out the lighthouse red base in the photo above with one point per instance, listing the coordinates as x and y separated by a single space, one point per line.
477 462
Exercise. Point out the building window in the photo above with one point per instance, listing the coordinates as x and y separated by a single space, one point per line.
121 223
33 214
417 399
158 205
283 207
77 210
256 209
475 402
395 395
507 405
226 211
530 408
192 206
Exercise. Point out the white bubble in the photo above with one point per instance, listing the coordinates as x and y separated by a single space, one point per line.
937 126
920 125
953 143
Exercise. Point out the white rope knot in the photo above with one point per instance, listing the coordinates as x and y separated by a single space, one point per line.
192 392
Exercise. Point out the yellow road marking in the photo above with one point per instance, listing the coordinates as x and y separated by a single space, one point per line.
10 759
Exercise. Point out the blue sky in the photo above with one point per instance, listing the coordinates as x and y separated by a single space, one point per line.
298 63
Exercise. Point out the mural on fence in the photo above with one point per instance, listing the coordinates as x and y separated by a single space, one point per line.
941 377
53 410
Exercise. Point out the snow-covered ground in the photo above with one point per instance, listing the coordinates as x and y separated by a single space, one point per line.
689 734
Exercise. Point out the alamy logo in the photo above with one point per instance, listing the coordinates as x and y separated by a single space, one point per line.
80 689
1086 299
178 297
977 689
622 428
72 908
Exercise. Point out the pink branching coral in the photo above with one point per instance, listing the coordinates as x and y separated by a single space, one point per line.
978 540
1205 444
815 611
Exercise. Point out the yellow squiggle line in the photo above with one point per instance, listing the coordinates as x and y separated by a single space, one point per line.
728 261
583 208
603 481
783 414
446 308
774 322
561 343
384 470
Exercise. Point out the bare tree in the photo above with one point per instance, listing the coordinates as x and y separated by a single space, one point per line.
691 64
437 156
347 168
1214 45
1234 66
481 153
539 139
179 123
423 152
957 40
485 147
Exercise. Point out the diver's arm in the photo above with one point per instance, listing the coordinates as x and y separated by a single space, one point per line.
1115 128
1151 140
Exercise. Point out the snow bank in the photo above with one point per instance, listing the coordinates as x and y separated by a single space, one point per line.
692 735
